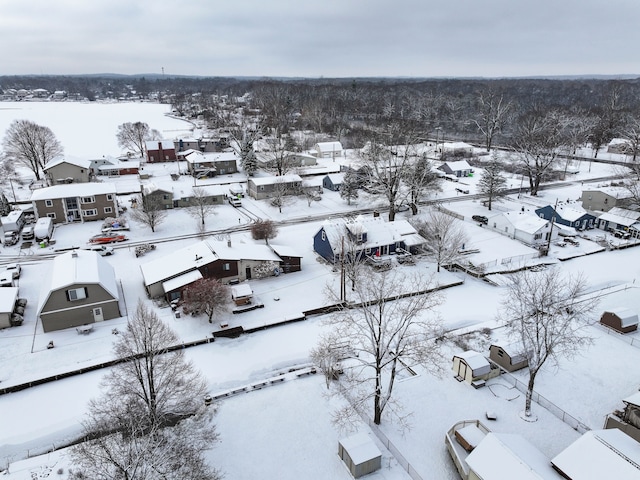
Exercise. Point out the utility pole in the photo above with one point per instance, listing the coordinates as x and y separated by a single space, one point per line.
553 219
343 289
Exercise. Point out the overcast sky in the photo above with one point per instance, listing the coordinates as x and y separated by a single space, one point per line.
313 38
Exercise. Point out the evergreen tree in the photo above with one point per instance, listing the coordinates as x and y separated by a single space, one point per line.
5 208
248 158
493 184
349 187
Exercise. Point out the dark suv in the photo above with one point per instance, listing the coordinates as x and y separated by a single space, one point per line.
480 219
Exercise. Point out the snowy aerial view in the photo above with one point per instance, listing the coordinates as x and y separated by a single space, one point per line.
319 240
261 365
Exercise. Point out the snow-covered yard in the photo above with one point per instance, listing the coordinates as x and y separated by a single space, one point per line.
285 430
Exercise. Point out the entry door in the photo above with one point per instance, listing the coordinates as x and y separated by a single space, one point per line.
97 315
247 272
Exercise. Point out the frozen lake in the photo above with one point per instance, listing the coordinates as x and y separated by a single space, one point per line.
88 130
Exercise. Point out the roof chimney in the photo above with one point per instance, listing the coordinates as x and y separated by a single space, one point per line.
229 243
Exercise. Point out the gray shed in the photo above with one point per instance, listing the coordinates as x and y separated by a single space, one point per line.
360 454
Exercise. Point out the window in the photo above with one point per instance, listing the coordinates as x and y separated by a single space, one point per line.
51 215
368 251
87 200
226 266
109 197
261 188
90 213
324 235
537 236
108 209
76 294
165 197
48 203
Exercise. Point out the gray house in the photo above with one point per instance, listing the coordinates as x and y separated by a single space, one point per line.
61 170
267 187
77 202
81 289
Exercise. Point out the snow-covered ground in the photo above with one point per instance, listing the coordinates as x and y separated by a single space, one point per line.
285 431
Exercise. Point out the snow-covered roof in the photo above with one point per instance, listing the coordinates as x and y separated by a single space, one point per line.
241 290
328 146
500 456
378 232
198 157
571 213
79 267
336 178
8 296
118 164
623 212
456 146
478 362
242 251
620 220
615 192
361 448
153 144
199 254
73 190
601 454
178 262
525 221
285 251
60 159
458 165
273 179
627 316
181 280
149 187
633 399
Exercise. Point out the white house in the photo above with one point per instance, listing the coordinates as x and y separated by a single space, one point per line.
328 149
526 227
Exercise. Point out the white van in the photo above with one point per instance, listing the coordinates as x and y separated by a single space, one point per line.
43 229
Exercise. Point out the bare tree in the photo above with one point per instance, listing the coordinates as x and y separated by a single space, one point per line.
134 135
151 421
278 156
493 183
631 133
420 178
386 166
149 211
445 237
207 295
264 230
310 193
546 312
385 331
31 144
280 194
492 113
539 141
201 205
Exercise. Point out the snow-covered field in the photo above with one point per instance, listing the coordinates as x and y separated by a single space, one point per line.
285 431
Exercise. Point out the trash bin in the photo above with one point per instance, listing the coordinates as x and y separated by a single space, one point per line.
177 314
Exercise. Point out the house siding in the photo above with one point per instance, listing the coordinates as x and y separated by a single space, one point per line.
58 174
59 313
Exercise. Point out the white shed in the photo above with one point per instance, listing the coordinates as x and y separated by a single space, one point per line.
360 454
473 368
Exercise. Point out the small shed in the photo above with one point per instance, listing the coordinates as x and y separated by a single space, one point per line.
623 320
8 297
473 368
242 293
360 454
508 356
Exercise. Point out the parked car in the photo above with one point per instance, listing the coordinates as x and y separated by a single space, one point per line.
102 250
107 238
15 270
462 190
28 232
480 219
11 238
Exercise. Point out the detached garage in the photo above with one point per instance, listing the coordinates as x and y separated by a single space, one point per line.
360 454
623 320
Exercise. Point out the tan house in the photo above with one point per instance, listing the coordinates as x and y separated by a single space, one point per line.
81 289
605 198
63 169
76 202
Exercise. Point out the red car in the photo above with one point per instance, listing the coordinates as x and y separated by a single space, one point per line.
107 238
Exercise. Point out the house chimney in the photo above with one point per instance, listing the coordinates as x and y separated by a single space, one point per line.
229 243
